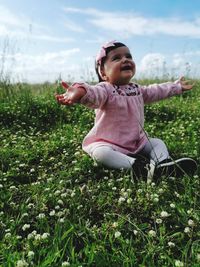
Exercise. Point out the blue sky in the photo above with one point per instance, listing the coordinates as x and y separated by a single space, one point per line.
41 40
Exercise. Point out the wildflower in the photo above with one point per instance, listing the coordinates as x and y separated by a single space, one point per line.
57 192
26 226
41 216
45 235
121 199
172 205
52 213
60 202
152 233
115 225
164 214
65 263
178 263
155 200
135 232
117 234
158 221
171 244
191 223
7 235
129 200
61 220
187 230
38 237
21 263
73 194
31 254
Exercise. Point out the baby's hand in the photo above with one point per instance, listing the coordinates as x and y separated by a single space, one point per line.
71 96
186 84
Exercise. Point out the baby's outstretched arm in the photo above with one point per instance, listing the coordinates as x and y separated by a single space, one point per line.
186 84
71 96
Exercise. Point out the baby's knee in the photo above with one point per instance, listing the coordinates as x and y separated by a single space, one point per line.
101 154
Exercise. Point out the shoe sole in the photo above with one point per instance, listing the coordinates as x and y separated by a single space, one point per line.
177 168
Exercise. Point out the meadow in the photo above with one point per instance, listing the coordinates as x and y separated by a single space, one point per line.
59 208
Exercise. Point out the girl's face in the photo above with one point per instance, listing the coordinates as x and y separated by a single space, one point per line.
119 66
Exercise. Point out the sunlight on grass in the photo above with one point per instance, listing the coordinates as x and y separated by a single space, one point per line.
59 209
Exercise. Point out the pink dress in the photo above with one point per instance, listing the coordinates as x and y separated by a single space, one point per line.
119 121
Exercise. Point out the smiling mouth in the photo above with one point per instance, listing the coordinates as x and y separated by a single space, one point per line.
126 68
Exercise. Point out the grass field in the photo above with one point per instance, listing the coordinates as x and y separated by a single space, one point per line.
58 208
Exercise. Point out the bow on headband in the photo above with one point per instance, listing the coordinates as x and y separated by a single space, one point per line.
102 52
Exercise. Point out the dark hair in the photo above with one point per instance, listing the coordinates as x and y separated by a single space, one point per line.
108 49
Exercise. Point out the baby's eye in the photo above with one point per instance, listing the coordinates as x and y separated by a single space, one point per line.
116 58
129 56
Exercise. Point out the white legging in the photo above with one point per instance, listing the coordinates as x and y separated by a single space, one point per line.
155 149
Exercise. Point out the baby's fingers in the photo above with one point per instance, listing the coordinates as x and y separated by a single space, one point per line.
64 85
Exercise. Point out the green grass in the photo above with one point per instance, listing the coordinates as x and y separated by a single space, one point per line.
58 208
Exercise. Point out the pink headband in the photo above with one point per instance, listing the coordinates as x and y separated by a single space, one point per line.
102 52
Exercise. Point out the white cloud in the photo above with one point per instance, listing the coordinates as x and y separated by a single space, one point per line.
152 64
73 26
7 17
41 67
128 24
20 27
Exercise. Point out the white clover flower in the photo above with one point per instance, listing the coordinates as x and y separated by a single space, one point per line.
52 213
32 170
135 232
152 233
160 190
159 221
125 194
65 263
172 205
164 214
187 230
13 187
171 244
191 223
22 263
26 226
129 200
60 202
30 254
45 235
117 234
7 235
73 194
57 192
179 263
31 205
121 199
114 188
38 237
115 224
156 200
61 220
1 186
41 215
